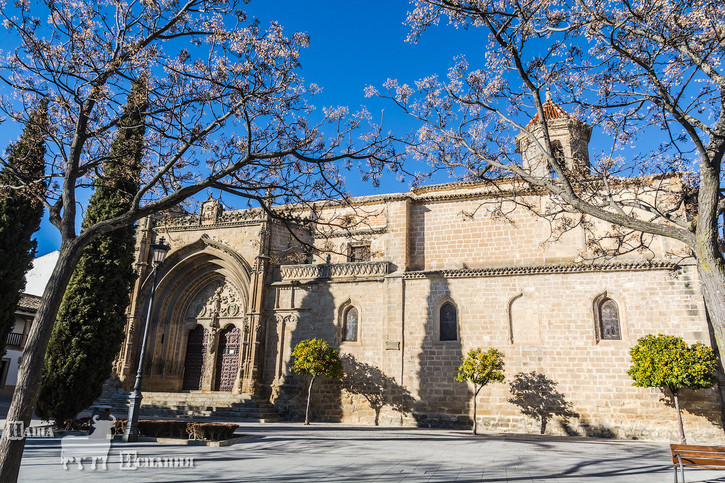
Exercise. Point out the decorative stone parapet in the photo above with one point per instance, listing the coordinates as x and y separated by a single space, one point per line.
296 272
359 269
334 270
543 269
212 217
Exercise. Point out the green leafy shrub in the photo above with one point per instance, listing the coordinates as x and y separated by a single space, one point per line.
481 368
315 357
667 362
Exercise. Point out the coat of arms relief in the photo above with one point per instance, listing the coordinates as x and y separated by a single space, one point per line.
216 300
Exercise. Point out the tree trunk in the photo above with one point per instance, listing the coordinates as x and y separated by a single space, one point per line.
676 397
720 371
712 280
26 391
543 424
475 396
711 272
309 395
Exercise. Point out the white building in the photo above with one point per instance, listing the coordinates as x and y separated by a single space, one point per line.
36 280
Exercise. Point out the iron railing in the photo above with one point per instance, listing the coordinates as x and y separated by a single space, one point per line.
15 339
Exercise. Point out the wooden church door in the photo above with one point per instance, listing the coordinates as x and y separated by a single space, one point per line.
194 362
227 359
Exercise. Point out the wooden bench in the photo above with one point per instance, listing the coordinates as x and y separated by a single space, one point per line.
693 456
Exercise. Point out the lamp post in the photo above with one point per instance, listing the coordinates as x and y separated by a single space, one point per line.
158 251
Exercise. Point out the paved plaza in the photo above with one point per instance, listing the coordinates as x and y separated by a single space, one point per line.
332 452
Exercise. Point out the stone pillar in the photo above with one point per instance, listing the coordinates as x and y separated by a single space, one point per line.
127 358
280 325
284 326
245 383
397 250
243 355
250 372
212 345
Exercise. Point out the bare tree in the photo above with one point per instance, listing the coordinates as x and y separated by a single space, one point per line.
227 110
648 72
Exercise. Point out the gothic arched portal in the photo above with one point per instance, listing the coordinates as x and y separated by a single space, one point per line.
203 288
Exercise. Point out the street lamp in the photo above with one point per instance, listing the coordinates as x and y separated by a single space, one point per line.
158 253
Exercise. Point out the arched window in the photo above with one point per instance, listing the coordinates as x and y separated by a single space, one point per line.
349 325
609 327
448 322
557 152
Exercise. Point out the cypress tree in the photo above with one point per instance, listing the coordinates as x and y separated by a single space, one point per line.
20 214
90 325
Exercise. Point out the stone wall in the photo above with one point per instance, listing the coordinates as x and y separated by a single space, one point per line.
561 344
586 377
518 290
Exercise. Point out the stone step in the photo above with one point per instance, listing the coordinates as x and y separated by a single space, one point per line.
214 405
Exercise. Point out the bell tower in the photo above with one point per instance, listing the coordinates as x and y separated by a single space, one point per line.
569 142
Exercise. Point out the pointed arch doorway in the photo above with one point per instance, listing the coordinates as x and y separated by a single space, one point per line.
227 359
216 303
205 284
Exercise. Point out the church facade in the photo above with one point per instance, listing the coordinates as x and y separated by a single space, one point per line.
405 285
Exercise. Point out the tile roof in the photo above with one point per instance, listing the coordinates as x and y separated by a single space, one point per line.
551 111
29 302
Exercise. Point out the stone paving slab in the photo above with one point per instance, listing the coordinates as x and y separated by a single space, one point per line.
337 453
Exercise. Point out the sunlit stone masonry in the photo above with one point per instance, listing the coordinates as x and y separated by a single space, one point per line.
404 285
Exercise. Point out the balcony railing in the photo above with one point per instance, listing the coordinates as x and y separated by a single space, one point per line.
15 339
334 270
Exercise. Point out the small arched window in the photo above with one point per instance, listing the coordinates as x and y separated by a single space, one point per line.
448 322
349 325
557 152
609 327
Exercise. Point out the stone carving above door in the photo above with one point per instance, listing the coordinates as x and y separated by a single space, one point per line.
216 300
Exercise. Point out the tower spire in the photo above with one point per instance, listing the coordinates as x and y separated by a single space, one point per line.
569 140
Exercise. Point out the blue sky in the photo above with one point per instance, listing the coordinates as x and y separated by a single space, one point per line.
356 44
352 45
